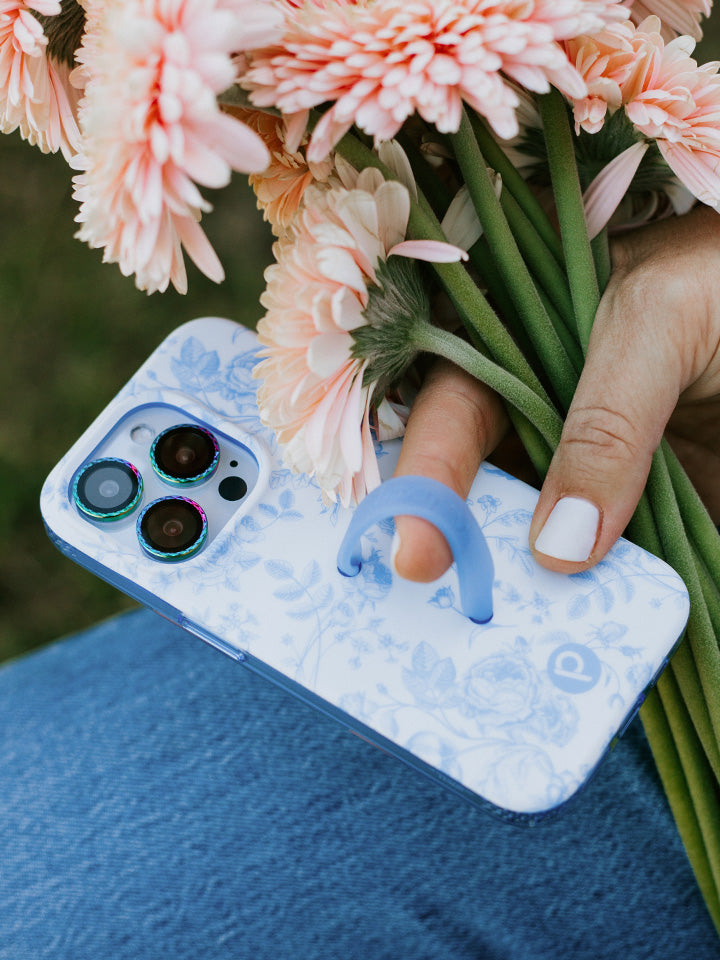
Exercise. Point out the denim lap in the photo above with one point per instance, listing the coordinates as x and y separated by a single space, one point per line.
159 800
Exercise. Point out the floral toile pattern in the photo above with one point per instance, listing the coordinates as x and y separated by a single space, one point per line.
518 711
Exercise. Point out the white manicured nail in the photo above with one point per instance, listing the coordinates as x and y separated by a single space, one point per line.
394 548
570 531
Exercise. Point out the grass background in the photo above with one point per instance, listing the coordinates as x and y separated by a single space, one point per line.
73 330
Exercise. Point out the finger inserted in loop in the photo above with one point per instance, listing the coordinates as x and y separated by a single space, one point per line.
438 504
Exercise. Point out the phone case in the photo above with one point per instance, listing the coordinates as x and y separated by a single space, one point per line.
514 714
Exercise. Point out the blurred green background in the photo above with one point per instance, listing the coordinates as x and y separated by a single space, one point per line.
73 332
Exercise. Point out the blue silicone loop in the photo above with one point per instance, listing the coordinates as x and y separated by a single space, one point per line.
432 501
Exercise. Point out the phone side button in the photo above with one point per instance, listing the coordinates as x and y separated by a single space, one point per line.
631 716
222 645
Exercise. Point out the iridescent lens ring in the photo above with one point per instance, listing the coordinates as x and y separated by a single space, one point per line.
185 453
172 528
107 489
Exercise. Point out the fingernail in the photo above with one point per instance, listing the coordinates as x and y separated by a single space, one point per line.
570 531
394 549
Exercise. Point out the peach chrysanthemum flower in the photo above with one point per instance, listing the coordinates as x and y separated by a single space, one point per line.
379 62
605 62
152 128
677 103
665 94
677 16
339 255
35 96
281 186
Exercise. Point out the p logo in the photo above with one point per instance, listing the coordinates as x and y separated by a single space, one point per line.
574 668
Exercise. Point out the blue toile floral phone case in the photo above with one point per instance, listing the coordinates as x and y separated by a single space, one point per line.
514 714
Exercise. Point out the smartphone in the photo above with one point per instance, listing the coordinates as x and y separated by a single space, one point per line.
178 496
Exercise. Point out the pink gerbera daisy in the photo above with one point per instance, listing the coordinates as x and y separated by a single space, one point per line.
35 96
677 16
606 62
319 391
379 62
152 128
665 94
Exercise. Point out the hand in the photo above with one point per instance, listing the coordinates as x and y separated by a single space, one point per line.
653 366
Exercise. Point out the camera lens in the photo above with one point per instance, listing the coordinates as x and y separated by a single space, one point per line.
172 528
232 488
185 454
107 489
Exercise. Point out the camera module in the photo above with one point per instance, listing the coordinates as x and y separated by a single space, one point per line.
172 528
184 454
107 489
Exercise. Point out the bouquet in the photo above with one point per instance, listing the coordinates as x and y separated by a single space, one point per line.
441 177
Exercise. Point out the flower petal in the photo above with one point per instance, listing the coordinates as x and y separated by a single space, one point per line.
461 224
603 196
394 157
393 203
199 248
389 424
434 251
338 265
698 170
328 352
295 126
347 311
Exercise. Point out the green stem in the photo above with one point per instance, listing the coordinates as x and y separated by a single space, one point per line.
533 247
666 753
433 340
474 310
685 672
496 158
683 757
538 258
479 317
700 633
565 333
697 774
643 528
700 525
511 264
711 591
439 198
489 276
536 447
571 215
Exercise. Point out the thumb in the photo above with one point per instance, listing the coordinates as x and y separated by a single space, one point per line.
628 389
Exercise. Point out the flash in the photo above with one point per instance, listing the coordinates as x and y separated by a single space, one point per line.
142 433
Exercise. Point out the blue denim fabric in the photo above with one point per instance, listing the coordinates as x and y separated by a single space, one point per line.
158 800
